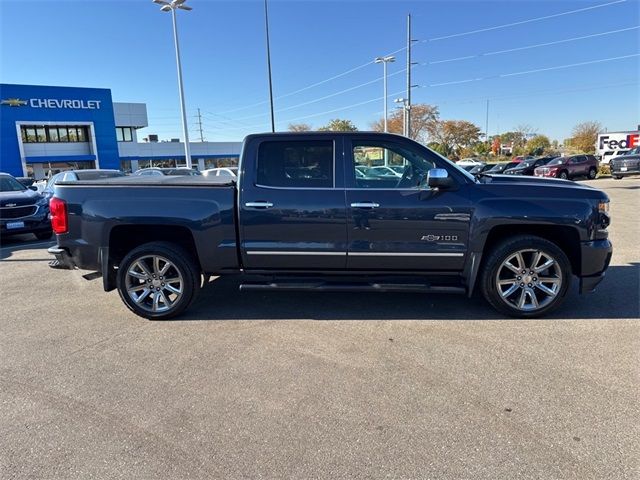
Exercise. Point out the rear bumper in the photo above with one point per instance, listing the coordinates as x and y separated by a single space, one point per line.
596 257
63 256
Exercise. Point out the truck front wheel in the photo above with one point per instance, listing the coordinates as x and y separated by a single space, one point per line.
158 280
526 276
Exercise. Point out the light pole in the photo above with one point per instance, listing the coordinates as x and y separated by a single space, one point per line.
405 113
384 61
172 7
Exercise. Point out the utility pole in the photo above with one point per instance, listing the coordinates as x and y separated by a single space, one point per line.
407 108
486 124
200 126
266 23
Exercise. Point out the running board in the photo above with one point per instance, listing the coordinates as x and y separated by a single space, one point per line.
352 287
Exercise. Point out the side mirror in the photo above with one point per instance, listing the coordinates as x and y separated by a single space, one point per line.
439 178
33 187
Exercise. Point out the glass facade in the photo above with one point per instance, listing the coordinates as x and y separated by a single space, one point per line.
54 133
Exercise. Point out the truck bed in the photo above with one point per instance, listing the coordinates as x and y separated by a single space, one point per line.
103 211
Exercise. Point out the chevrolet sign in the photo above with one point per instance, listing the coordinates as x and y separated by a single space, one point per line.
55 103
13 102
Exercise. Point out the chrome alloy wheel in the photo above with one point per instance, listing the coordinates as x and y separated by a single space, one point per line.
529 279
154 283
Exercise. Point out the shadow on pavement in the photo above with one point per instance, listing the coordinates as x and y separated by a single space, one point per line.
8 248
616 297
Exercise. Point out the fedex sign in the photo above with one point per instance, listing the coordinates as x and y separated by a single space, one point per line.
618 141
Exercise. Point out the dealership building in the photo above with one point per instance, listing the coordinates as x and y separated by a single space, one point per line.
44 130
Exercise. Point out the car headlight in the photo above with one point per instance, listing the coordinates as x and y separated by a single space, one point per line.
603 206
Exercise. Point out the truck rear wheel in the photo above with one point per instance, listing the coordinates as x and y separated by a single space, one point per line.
158 280
526 276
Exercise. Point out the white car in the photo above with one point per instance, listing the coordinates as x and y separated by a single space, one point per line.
229 172
469 162
609 155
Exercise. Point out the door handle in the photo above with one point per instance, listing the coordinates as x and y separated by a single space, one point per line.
365 205
259 204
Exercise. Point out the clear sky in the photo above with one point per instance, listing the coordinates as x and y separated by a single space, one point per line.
127 46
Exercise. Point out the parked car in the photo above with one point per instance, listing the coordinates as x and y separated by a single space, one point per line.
435 229
501 167
383 172
230 172
74 175
22 209
483 167
527 167
469 161
522 158
611 154
627 164
569 167
159 172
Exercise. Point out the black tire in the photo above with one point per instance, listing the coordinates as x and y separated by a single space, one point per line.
563 175
44 235
593 173
494 266
618 177
182 267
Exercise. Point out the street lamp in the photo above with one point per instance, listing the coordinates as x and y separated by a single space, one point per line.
172 7
384 61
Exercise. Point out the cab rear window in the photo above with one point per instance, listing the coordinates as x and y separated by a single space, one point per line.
296 164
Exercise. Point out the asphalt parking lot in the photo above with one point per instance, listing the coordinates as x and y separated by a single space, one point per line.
319 385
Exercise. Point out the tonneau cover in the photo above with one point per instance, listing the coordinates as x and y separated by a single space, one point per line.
143 181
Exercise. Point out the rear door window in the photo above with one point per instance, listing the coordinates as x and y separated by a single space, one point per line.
296 164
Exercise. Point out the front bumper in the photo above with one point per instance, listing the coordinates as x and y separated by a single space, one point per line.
616 171
38 222
596 257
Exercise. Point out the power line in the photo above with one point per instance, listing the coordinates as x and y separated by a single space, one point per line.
327 96
497 52
359 67
526 72
522 22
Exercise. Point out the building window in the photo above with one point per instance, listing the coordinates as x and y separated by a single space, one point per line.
220 162
124 134
53 133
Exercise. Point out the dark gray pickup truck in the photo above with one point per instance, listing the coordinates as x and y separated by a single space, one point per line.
310 211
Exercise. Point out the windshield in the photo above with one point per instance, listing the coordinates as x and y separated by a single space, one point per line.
10 184
556 161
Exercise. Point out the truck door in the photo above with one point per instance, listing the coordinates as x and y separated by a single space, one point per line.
395 223
292 204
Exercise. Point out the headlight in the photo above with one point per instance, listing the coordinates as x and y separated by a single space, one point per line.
603 206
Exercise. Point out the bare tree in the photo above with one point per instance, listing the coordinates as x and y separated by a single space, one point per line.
299 127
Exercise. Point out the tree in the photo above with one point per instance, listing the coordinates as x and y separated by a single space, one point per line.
339 125
454 135
538 145
495 146
299 127
584 136
422 115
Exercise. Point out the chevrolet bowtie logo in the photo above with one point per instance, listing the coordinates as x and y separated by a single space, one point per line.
13 102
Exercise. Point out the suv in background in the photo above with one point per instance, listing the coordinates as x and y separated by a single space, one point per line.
527 167
22 209
627 164
569 167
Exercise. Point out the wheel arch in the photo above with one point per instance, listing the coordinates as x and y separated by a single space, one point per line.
124 238
565 237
